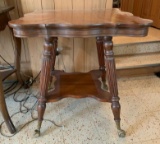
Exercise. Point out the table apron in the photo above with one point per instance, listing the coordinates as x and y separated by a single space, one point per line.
82 33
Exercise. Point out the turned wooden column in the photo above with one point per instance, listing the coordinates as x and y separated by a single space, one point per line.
47 62
55 45
112 81
101 60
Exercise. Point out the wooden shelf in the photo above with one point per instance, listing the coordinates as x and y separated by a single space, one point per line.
78 85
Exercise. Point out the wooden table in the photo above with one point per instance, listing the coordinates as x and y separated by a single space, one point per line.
4 19
103 25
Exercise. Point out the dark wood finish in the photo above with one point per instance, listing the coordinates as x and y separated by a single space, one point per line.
100 50
80 24
102 24
112 81
48 56
78 85
4 18
143 8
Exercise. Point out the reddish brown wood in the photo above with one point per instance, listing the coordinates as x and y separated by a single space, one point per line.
4 18
78 85
48 54
100 50
80 24
102 24
55 44
112 81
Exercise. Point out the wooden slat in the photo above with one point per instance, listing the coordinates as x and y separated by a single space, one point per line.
100 4
6 46
109 4
9 46
67 54
91 58
14 13
137 8
66 43
78 42
79 55
87 54
35 46
61 4
88 4
47 5
32 47
78 5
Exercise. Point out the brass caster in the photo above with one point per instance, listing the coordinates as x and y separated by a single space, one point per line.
37 133
121 133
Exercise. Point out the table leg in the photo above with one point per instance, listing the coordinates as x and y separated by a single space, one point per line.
100 50
17 56
55 44
44 79
112 80
4 111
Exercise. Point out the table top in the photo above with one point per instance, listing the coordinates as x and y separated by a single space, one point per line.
79 20
5 9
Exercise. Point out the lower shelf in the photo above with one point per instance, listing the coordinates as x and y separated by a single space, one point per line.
78 85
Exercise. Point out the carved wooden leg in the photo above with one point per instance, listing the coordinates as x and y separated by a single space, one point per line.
100 50
55 44
112 80
44 79
4 111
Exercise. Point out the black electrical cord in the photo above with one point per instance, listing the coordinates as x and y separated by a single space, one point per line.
15 83
6 62
11 87
24 109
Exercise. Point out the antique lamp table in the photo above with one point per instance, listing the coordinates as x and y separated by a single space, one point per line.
4 19
101 24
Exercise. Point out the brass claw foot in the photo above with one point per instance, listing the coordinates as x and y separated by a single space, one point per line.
37 133
121 133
